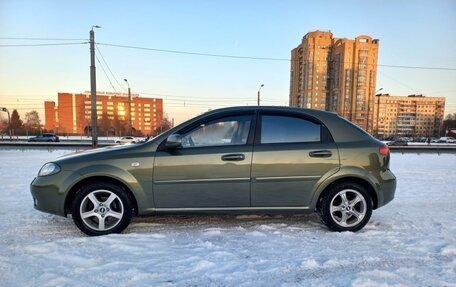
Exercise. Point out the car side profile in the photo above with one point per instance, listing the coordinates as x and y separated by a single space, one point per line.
45 138
231 160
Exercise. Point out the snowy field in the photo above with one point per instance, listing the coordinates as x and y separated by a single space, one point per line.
409 242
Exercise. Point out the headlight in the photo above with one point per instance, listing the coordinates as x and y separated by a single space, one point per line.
49 169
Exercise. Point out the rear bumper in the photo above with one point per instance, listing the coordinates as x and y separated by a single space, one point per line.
387 188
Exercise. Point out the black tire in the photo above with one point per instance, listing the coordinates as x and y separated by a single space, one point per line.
333 198
121 207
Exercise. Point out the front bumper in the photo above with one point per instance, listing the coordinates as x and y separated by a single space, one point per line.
49 192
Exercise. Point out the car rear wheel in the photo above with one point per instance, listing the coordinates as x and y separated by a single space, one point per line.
346 207
101 208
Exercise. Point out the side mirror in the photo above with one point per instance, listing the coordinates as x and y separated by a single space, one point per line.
174 141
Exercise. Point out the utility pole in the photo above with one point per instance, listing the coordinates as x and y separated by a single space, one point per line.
93 88
378 109
9 120
130 124
258 94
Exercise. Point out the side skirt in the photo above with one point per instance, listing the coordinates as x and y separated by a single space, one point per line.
227 210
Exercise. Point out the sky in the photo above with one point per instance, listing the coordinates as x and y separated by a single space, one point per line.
411 33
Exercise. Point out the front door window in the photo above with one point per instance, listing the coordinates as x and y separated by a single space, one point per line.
232 130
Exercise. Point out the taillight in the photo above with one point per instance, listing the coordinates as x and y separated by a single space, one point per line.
384 150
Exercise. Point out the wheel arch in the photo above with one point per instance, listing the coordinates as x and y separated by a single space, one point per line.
98 178
349 179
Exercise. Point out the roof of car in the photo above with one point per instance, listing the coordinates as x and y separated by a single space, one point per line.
271 108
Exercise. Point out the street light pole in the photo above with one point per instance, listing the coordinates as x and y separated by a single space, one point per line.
378 109
130 125
9 121
258 94
93 88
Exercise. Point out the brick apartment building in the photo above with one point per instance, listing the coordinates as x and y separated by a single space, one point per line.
72 115
414 115
336 74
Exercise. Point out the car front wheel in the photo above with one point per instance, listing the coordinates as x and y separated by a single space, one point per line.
101 208
346 207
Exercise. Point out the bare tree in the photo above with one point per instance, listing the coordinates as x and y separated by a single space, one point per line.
163 127
32 121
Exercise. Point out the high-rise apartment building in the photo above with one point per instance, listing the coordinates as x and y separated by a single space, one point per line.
414 115
336 74
72 115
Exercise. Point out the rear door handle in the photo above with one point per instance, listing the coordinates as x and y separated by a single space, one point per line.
320 153
233 157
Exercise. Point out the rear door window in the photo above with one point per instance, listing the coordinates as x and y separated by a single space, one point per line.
287 129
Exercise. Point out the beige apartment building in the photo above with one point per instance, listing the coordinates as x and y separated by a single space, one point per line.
413 115
336 74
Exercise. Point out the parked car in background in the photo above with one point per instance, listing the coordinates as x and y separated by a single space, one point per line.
45 138
447 140
398 143
419 139
232 160
128 140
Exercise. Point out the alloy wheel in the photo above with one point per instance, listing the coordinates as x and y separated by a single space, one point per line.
348 208
101 210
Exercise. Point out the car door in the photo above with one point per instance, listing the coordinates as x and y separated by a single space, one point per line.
212 167
291 154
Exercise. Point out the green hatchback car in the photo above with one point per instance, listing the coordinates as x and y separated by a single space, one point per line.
231 160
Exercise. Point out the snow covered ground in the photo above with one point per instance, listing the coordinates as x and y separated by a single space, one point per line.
409 242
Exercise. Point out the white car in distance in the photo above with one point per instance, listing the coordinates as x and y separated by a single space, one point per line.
128 140
447 140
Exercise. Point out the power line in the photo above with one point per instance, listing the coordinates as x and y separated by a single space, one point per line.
42 45
399 82
165 97
109 69
41 39
265 58
181 103
418 67
194 53
197 53
104 71
169 97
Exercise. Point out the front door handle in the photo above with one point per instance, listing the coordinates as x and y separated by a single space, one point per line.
233 157
320 153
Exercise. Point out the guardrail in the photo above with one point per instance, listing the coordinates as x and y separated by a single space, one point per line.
54 144
450 148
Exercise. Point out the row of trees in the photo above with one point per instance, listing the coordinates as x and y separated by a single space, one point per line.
117 127
30 126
